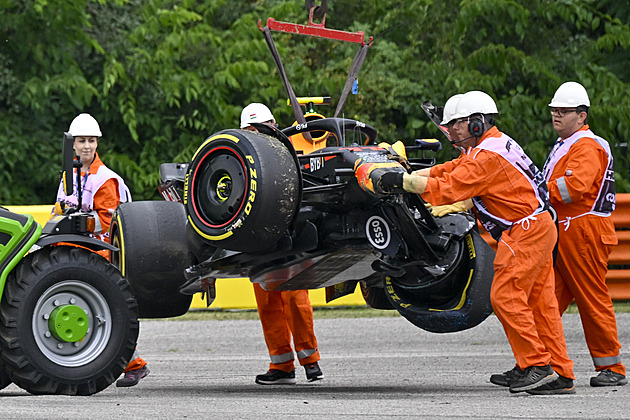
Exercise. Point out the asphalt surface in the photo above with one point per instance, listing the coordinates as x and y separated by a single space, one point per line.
375 368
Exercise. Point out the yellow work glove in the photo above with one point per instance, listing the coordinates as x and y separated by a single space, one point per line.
440 211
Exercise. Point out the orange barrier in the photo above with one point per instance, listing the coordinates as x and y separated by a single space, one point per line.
618 277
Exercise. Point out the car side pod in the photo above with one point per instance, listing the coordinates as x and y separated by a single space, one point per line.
467 309
17 234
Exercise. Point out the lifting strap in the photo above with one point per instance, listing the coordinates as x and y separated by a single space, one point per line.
318 30
297 110
352 76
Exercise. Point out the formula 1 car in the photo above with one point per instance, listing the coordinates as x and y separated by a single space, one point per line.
247 205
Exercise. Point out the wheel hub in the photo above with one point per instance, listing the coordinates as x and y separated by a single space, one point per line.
68 323
72 323
219 190
224 188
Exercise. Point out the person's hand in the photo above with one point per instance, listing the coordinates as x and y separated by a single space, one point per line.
370 175
440 211
391 182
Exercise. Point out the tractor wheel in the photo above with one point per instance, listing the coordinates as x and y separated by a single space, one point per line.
242 191
151 238
68 322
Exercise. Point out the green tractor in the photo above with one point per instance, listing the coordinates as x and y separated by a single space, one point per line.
68 318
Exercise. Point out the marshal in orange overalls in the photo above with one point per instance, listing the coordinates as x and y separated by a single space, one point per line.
286 314
522 293
585 242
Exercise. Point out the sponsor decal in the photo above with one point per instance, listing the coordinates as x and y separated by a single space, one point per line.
378 232
316 163
471 247
186 189
253 185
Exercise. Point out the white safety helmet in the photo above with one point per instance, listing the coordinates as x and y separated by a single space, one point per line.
255 113
474 102
570 95
85 125
449 108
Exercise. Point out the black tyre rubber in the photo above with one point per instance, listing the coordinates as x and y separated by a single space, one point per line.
151 237
242 190
375 296
37 292
5 381
468 308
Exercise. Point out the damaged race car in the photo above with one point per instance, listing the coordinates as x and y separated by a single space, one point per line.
247 205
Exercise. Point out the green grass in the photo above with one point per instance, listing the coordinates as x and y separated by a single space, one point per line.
251 314
326 313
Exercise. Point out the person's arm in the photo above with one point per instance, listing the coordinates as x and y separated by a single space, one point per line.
468 178
414 183
422 172
106 200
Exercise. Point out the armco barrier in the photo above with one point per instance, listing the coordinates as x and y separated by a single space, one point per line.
618 277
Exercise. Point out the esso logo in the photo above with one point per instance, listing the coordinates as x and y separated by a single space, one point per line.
378 232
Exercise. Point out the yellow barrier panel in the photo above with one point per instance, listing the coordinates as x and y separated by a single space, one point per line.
239 294
41 214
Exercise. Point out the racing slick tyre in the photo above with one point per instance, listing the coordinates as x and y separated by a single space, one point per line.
5 381
375 296
68 322
242 190
153 254
467 308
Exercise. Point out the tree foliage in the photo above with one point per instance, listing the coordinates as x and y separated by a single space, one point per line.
162 75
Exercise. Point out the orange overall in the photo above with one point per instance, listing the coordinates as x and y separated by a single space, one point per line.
584 244
106 199
282 315
522 292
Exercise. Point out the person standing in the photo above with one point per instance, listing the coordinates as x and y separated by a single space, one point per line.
580 177
510 198
102 191
283 314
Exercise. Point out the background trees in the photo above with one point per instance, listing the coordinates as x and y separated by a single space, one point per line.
160 76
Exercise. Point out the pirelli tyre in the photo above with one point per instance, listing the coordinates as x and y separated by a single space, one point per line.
68 322
375 296
242 190
153 254
470 303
